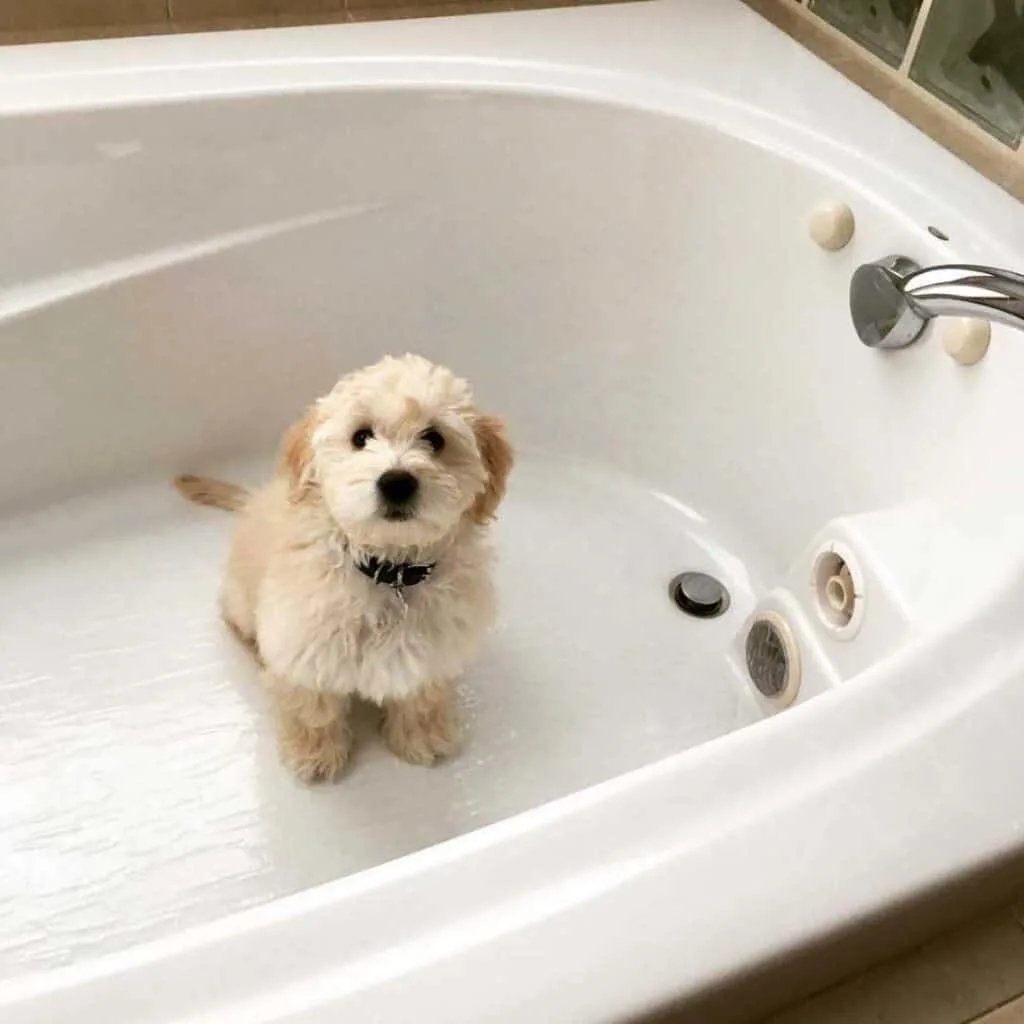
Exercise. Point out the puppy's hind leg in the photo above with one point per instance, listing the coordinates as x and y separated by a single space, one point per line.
423 726
313 732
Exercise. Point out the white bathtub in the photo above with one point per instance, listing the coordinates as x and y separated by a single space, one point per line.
600 216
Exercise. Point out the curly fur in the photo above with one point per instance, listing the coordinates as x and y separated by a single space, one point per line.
323 631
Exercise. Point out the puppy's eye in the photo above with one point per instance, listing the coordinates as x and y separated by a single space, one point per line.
435 439
361 436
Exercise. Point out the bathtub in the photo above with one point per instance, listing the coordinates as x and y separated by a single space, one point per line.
600 216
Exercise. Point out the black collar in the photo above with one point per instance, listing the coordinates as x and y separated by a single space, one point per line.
396 575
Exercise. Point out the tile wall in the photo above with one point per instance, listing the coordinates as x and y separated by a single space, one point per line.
953 67
27 21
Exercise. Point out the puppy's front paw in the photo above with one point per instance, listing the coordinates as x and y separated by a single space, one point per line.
422 727
313 732
319 758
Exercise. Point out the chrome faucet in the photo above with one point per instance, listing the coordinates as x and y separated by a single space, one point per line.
892 300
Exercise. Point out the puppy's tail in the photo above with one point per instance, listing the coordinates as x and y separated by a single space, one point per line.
203 490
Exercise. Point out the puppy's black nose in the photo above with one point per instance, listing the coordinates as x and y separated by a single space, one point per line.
397 486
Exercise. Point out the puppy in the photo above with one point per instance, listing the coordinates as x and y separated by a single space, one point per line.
363 569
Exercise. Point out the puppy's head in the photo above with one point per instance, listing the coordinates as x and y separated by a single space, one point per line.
399 455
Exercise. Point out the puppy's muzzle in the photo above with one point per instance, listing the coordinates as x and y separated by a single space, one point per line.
397 489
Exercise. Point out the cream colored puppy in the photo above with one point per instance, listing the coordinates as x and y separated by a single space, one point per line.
363 568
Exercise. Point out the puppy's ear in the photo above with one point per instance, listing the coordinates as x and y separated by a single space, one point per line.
297 456
498 456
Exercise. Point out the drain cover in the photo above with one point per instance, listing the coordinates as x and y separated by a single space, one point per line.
767 658
699 595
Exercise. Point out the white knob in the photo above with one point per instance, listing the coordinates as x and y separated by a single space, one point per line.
966 339
832 225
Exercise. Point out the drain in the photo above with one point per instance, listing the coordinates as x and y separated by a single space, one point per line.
773 659
699 595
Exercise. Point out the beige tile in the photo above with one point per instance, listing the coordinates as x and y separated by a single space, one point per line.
65 15
357 6
227 15
379 11
214 10
323 18
953 979
1010 1013
372 10
93 32
532 5
262 21
224 24
1013 182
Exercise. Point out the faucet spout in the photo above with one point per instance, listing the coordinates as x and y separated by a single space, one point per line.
892 300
